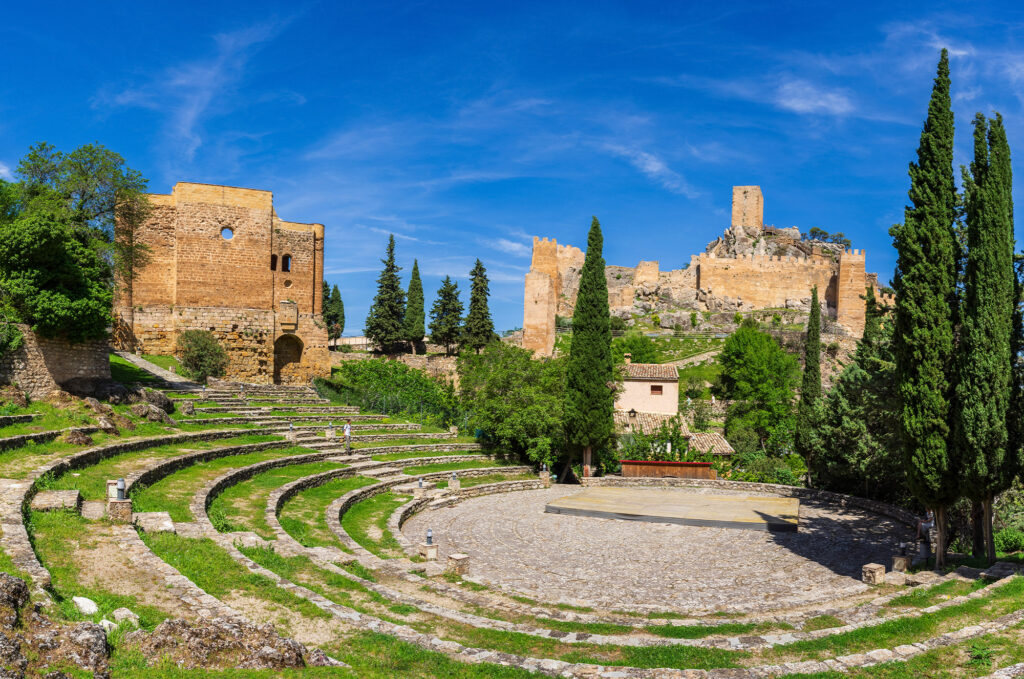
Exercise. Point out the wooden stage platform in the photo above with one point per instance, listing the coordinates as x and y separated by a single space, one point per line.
670 505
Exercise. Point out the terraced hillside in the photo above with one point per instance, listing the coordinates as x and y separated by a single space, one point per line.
260 544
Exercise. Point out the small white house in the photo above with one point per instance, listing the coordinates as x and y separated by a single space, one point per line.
649 388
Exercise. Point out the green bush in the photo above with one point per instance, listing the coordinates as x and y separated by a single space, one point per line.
1009 540
640 347
391 387
201 355
693 320
617 324
668 444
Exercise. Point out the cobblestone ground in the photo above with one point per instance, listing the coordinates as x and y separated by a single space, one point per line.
626 564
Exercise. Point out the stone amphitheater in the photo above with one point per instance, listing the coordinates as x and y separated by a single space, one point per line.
250 537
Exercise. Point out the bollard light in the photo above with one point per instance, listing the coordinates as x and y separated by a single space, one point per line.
453 476
430 536
421 482
120 489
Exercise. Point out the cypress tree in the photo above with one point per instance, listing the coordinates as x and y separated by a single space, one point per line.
415 316
385 321
925 280
336 325
810 390
590 370
325 296
479 327
446 316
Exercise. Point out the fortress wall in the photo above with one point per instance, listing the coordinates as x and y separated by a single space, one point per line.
545 259
646 273
851 286
765 282
539 313
305 244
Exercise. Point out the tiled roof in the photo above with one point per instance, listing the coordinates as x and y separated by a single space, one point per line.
645 423
651 371
710 442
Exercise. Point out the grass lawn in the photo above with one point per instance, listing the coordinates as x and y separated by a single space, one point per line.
127 373
302 516
922 598
490 478
165 362
366 522
422 453
452 466
241 506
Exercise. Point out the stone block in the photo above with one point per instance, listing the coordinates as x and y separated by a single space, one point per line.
432 569
873 573
154 522
896 578
900 563
53 500
428 552
545 478
455 484
458 564
120 511
93 509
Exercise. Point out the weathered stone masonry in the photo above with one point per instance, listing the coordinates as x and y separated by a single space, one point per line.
221 260
42 365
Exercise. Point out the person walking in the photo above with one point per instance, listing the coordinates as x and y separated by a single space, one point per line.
348 436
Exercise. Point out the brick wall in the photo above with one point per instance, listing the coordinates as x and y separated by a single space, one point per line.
43 365
235 287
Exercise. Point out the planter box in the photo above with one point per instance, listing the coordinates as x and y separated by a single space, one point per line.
680 470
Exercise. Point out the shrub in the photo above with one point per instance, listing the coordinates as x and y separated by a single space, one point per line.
701 415
656 320
617 324
639 346
391 387
693 320
1009 540
201 355
737 318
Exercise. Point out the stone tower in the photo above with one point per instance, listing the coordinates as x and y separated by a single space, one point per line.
747 206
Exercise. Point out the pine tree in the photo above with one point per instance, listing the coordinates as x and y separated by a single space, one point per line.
414 314
336 308
925 281
588 398
983 355
384 322
446 316
810 390
479 327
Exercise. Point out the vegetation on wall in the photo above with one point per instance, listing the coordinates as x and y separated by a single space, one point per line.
201 355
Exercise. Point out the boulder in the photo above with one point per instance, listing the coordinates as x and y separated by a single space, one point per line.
157 398
317 658
107 426
97 407
125 616
188 408
112 392
59 397
139 409
13 596
122 422
76 437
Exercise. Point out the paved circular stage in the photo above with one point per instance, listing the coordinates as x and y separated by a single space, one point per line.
612 563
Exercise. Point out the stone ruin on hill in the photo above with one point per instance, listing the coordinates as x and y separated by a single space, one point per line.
751 266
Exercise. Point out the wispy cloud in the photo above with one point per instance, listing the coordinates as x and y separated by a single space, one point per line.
5 172
508 246
801 96
194 90
655 169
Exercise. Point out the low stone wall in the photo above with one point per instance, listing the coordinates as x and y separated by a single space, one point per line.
43 365
150 476
12 442
824 496
8 420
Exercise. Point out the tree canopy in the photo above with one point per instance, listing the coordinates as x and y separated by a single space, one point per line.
479 329
446 316
415 316
385 322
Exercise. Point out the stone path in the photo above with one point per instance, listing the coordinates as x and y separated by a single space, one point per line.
174 380
622 564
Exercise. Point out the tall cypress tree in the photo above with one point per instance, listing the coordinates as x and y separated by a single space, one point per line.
479 326
589 400
415 316
925 281
446 316
810 390
325 295
385 321
336 324
983 389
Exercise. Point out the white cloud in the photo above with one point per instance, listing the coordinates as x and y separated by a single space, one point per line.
509 246
5 172
801 96
654 168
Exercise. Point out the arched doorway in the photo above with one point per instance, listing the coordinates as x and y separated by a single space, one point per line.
287 356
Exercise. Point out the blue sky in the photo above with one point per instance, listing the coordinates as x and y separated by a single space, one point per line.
467 128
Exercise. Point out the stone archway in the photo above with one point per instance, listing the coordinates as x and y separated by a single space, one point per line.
287 356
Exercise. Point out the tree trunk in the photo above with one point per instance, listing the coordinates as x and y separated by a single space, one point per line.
586 461
979 546
990 543
940 543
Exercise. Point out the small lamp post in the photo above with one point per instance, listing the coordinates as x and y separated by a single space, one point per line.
120 489
430 536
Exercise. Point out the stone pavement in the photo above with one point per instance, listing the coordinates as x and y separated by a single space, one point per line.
610 563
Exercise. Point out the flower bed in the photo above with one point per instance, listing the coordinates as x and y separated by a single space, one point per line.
681 470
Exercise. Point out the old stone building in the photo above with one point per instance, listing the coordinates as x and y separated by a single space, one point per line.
751 266
220 259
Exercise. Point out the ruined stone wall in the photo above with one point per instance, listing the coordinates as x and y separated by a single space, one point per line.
217 262
539 313
43 365
850 290
747 206
761 281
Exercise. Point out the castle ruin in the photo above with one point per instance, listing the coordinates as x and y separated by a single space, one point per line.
751 266
220 259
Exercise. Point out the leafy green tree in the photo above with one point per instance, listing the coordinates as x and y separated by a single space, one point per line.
640 347
925 282
589 398
854 429
446 316
760 378
415 316
479 328
201 355
385 323
515 401
810 389
983 388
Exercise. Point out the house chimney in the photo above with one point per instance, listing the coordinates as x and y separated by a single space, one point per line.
628 357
